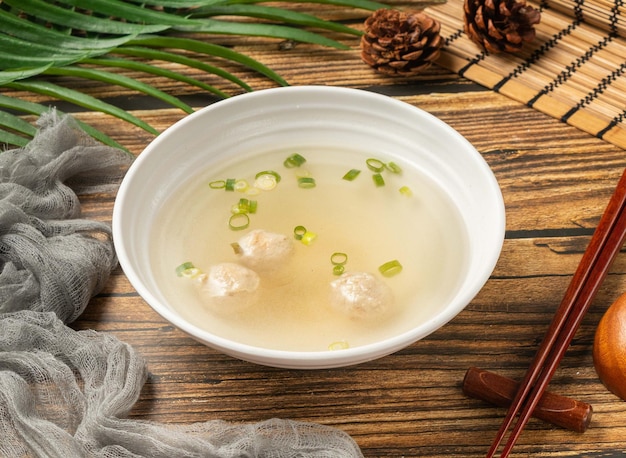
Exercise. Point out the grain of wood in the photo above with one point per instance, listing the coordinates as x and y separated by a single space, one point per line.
555 180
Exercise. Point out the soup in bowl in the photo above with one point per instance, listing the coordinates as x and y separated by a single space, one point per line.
309 227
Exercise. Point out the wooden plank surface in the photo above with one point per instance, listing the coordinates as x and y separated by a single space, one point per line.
555 180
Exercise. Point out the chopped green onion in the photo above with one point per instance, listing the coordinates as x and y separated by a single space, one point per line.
241 185
269 172
308 237
252 206
338 258
351 174
390 268
184 266
393 167
218 184
339 269
239 221
236 248
375 165
238 208
406 191
266 180
339 345
298 232
378 180
295 160
302 173
187 270
244 206
253 191
306 182
230 184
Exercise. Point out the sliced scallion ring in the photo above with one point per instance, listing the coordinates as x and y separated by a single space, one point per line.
237 208
230 184
393 167
375 165
239 221
338 258
265 182
308 237
379 181
306 182
302 173
241 185
295 160
244 206
339 269
269 172
351 174
390 268
298 232
191 273
187 270
406 191
217 184
252 206
184 266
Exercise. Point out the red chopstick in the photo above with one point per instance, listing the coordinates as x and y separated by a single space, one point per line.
605 243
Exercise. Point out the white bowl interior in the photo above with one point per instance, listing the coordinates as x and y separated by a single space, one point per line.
319 117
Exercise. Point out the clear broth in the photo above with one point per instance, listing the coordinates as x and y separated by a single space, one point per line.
370 224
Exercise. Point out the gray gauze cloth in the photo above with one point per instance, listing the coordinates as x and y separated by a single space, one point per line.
66 393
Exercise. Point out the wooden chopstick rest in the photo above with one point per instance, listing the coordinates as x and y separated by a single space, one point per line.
498 390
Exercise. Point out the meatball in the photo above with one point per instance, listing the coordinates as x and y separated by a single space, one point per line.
265 251
228 287
360 295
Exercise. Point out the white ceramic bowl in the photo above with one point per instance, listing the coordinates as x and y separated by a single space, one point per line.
310 115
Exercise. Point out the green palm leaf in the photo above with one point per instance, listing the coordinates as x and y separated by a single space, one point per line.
176 58
64 17
32 108
146 68
128 11
37 33
208 49
120 80
273 14
9 138
138 14
23 106
58 37
14 124
78 98
35 54
176 4
11 75
360 4
260 30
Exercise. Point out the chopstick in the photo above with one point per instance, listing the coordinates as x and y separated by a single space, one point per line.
604 245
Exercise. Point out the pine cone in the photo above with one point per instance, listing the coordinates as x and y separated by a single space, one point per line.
500 25
398 43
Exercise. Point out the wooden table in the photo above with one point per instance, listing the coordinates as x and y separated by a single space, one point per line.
556 181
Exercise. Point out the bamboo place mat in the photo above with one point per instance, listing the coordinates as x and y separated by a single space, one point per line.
574 70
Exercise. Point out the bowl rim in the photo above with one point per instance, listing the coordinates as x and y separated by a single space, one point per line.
291 358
